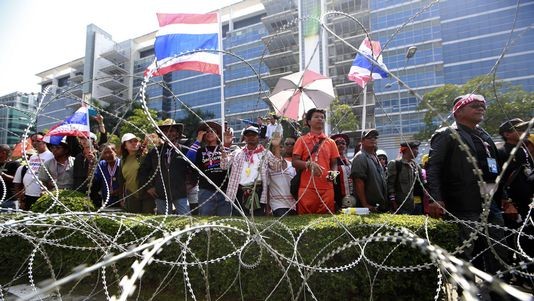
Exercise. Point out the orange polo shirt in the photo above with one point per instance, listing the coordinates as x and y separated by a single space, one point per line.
326 152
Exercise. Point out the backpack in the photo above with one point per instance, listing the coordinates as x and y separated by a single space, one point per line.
418 189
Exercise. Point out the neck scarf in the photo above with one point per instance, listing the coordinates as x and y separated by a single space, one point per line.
249 154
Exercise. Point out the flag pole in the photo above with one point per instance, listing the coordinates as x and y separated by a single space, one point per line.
221 73
364 108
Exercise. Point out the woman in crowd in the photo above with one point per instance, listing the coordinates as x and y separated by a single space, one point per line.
134 200
208 159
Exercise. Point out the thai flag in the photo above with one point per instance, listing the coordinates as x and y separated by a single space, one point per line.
181 33
75 125
363 70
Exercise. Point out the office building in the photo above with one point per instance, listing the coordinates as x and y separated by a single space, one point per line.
16 112
426 43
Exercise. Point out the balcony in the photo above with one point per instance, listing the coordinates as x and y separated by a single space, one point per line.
279 14
76 77
114 70
113 84
75 90
280 41
115 55
281 59
113 97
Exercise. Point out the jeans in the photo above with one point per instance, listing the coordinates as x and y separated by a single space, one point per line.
485 261
9 204
284 212
213 203
181 206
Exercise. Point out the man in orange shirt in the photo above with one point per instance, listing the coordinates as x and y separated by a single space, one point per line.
316 155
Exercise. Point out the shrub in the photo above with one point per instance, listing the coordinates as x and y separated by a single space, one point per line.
259 272
72 200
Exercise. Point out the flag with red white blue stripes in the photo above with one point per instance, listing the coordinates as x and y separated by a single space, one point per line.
184 33
363 70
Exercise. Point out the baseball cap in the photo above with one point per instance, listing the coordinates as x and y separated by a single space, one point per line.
369 133
128 137
414 143
251 129
513 124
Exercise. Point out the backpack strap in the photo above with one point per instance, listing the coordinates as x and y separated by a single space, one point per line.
398 168
23 172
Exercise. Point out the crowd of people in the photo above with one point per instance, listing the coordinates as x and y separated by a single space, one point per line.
267 174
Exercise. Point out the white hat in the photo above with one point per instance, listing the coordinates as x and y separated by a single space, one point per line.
92 136
128 137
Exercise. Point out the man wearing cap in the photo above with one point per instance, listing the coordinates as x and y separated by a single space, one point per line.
248 181
26 179
262 128
58 171
455 186
315 154
518 180
163 172
208 159
368 175
404 180
8 169
521 168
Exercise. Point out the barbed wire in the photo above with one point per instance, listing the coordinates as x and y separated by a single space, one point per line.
43 230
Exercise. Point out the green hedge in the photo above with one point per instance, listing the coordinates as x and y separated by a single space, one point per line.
69 199
322 241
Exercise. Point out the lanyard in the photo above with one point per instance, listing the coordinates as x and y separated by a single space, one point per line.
486 146
111 172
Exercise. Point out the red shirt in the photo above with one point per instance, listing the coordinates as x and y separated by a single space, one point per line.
326 152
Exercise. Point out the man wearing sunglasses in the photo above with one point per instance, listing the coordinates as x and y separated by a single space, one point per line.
460 156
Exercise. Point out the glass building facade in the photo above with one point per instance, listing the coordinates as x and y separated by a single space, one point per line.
456 41
453 45
16 112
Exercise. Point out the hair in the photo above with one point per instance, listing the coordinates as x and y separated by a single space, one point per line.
37 133
6 148
292 137
123 152
310 112
108 144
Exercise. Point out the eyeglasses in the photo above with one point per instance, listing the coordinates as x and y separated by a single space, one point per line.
289 143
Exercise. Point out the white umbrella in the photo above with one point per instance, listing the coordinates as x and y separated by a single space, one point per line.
296 93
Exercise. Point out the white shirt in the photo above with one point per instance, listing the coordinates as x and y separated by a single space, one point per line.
271 128
250 171
279 191
31 185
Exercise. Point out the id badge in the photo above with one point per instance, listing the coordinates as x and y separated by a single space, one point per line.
492 165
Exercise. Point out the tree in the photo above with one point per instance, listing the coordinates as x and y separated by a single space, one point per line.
137 123
504 102
191 121
342 118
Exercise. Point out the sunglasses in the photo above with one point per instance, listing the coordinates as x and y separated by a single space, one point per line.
289 143
476 105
